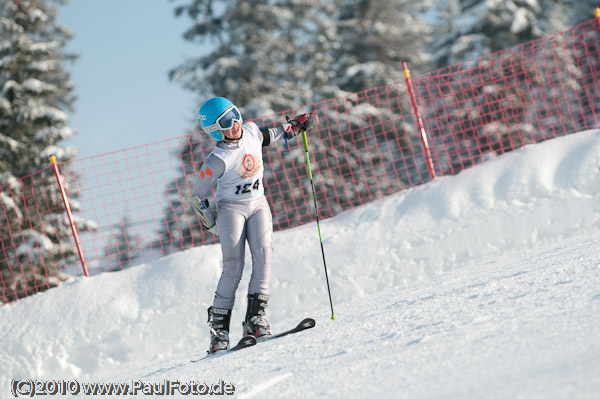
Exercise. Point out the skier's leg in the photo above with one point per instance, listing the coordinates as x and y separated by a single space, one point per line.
260 239
231 220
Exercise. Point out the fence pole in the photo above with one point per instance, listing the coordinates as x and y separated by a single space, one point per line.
424 140
69 214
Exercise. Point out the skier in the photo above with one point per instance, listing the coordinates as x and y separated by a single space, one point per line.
235 166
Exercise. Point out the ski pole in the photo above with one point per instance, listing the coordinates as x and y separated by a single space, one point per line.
305 141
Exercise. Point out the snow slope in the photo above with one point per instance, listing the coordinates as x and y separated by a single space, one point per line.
484 284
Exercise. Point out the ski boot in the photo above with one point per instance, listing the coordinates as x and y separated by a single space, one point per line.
256 324
219 329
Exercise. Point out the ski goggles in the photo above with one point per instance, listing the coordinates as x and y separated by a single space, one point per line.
225 120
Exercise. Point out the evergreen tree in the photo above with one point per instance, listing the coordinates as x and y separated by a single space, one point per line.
489 90
124 247
35 91
268 56
180 226
279 55
561 15
473 109
471 28
375 37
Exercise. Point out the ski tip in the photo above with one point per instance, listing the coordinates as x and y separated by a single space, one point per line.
307 323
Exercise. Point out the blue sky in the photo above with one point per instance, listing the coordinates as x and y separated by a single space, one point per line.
124 96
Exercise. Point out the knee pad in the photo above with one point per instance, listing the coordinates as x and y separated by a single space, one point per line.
262 256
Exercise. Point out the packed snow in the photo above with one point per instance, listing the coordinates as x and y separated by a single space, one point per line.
483 284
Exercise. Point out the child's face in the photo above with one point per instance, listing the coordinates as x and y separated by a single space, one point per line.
235 132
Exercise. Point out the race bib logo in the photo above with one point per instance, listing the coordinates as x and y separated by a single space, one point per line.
249 166
248 163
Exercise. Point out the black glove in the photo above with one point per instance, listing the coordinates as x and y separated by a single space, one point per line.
300 123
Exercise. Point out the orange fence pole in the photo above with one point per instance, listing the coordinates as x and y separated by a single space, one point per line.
424 140
69 214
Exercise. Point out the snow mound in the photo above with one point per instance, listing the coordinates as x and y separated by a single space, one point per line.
480 284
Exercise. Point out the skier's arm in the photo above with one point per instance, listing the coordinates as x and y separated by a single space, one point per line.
211 170
290 129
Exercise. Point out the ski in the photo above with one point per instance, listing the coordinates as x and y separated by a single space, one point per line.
245 342
249 340
303 325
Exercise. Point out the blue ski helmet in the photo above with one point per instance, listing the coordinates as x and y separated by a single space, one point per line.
218 114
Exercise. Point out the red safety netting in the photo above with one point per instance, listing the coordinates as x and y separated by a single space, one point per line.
129 206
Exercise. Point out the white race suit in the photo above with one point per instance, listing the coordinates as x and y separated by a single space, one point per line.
243 213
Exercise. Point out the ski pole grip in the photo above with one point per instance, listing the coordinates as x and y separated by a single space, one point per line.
305 141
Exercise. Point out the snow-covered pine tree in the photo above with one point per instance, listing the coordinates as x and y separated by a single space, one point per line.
266 56
509 101
35 91
474 115
471 28
375 37
270 56
560 15
124 246
575 65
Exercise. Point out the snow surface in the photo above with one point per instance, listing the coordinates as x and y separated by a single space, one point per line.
484 284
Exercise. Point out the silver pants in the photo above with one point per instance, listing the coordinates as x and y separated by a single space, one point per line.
237 222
